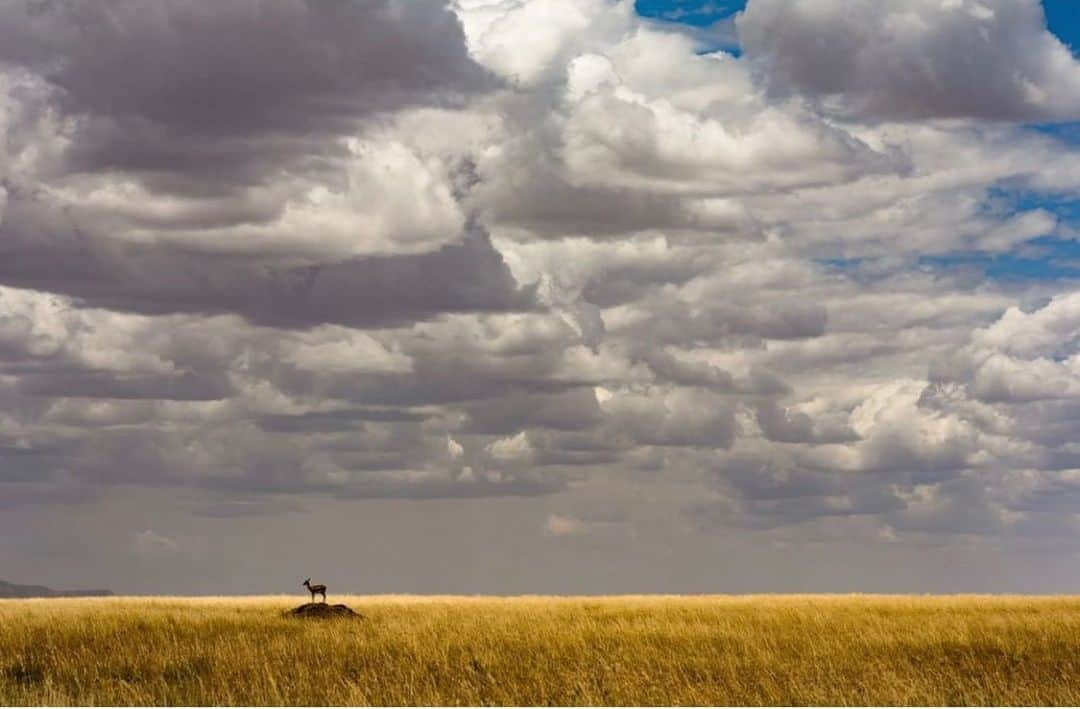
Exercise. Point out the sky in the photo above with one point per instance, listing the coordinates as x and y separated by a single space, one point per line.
540 296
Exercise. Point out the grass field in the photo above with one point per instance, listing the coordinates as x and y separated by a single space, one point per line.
536 650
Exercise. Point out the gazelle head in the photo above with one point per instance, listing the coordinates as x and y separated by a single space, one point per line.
306 581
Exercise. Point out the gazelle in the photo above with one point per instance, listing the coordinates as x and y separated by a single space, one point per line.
317 589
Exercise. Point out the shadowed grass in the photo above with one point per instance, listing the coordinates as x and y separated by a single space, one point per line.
535 650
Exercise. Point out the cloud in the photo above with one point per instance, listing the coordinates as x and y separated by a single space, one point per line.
572 410
661 149
45 249
1050 331
1023 357
149 543
639 130
679 417
915 59
975 448
229 110
793 426
243 171
562 526
515 449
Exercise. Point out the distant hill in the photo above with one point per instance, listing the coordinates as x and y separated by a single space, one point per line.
14 590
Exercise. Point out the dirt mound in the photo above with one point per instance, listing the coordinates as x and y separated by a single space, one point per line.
322 610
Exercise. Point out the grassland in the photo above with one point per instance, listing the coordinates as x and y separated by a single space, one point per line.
628 650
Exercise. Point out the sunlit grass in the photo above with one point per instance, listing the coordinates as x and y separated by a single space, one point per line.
538 650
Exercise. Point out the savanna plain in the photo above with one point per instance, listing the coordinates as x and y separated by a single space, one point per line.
692 650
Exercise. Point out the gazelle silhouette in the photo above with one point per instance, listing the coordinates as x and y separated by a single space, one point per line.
317 589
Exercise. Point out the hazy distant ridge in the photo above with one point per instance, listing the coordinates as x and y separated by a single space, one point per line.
14 590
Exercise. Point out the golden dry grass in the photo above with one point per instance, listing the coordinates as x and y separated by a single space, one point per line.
622 650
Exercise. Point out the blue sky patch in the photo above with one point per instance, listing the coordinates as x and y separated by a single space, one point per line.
699 13
1045 258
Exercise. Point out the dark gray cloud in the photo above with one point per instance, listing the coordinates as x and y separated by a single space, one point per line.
31 463
341 421
573 410
782 424
224 93
619 283
402 488
915 59
713 322
118 385
44 247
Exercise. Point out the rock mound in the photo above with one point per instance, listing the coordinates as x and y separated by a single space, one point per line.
322 610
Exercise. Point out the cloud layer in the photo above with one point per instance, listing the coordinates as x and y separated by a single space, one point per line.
529 250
